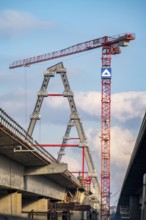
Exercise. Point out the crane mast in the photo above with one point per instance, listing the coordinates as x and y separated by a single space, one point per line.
110 46
105 132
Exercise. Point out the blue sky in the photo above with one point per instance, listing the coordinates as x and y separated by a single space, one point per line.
35 27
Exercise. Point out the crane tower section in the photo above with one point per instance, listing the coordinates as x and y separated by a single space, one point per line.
107 51
105 131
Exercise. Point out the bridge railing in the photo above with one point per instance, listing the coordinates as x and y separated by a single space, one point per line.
15 128
44 152
124 211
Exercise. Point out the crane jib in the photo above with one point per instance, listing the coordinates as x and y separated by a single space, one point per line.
78 48
61 53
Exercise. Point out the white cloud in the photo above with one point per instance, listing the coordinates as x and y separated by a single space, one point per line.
85 101
89 102
128 105
124 105
14 22
122 143
121 146
73 164
15 101
57 102
18 105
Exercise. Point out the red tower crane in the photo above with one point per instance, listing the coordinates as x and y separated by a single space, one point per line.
110 46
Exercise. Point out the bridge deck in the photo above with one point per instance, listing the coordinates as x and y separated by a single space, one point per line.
14 137
17 145
133 181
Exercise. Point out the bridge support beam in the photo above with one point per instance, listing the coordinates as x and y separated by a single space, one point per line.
11 203
143 202
53 168
76 215
118 216
35 208
59 216
83 215
134 208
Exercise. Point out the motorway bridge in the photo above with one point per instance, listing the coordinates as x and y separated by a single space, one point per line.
131 204
32 182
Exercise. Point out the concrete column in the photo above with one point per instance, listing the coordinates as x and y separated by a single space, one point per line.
76 215
66 215
134 208
59 217
117 217
143 202
11 204
52 215
36 208
84 215
95 216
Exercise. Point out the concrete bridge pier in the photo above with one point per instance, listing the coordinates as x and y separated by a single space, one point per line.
134 207
72 215
11 203
83 215
30 206
59 217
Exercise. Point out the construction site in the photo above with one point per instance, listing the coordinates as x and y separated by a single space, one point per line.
72 110
35 184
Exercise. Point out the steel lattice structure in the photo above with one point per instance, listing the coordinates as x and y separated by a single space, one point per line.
105 135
